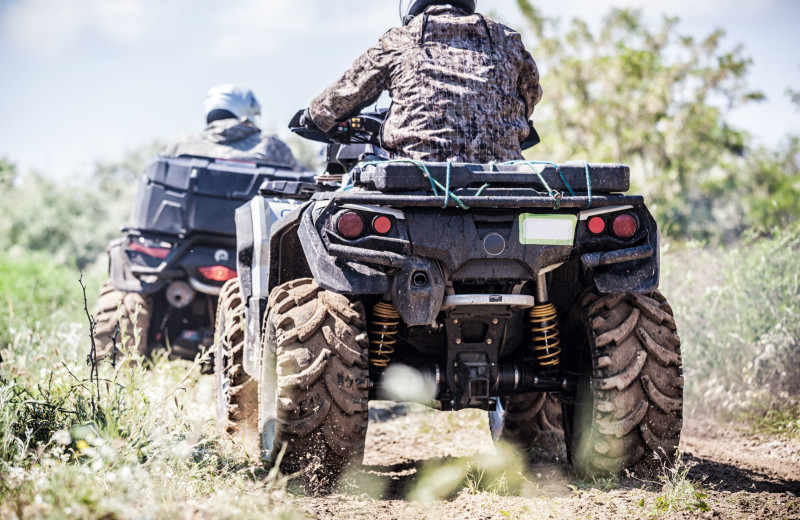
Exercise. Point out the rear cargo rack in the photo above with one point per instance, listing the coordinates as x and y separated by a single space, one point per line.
399 176
486 200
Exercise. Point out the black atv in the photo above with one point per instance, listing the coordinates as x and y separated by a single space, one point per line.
506 286
179 249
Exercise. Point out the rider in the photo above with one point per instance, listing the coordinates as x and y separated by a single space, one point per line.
231 132
462 86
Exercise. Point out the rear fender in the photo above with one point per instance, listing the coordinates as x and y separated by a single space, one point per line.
264 227
337 274
122 278
632 270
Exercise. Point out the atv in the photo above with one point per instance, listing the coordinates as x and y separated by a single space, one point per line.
505 286
166 273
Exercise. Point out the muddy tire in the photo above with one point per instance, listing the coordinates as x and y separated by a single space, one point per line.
132 311
533 423
628 410
236 392
314 385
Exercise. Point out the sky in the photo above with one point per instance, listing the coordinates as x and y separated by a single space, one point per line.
83 81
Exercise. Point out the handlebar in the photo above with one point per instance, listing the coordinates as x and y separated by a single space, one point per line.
364 128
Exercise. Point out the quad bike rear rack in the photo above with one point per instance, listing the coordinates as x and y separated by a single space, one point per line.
487 201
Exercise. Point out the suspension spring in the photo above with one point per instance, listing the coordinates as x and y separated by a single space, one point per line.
383 334
544 334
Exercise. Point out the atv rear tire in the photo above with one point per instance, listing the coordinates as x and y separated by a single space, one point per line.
236 392
132 312
628 409
314 385
532 423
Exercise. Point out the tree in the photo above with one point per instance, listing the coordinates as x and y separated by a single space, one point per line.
655 99
73 223
8 172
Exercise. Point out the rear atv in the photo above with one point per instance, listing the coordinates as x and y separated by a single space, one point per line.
179 249
524 289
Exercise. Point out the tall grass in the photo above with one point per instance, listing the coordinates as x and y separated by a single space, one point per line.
134 442
738 312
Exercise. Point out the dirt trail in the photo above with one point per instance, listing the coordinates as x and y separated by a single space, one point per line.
743 476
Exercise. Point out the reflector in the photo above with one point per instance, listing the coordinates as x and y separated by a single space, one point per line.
154 251
382 224
218 273
350 224
625 225
596 225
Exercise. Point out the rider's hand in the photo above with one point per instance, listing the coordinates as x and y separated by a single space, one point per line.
307 122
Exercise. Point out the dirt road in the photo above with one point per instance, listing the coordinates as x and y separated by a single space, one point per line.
423 464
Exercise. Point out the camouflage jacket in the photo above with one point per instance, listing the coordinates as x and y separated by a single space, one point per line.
462 88
234 139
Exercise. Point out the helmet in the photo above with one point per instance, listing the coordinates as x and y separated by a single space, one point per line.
239 101
411 8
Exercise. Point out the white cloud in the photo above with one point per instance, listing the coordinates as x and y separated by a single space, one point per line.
54 27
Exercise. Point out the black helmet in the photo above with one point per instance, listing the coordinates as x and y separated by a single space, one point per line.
411 8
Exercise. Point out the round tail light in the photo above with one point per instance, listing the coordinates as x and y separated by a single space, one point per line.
625 225
350 224
596 225
382 224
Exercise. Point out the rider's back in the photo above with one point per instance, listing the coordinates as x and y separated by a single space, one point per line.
233 139
462 88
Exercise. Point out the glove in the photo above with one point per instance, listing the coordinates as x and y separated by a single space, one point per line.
307 122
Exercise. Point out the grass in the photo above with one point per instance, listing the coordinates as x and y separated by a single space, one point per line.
738 313
780 420
678 493
127 442
35 292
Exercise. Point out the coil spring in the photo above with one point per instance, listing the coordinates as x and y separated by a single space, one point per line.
544 334
383 334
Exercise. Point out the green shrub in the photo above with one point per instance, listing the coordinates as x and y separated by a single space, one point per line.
38 292
129 442
738 312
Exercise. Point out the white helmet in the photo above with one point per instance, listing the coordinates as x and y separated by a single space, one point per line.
411 8
239 101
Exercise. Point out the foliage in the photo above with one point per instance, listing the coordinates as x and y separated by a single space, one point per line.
8 172
131 443
497 474
782 418
770 189
71 220
307 153
737 310
658 100
36 292
678 493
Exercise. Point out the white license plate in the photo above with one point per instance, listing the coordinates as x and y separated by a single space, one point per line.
547 230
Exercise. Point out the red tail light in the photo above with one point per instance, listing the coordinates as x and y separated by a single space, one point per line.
596 225
382 224
350 224
156 251
218 273
625 225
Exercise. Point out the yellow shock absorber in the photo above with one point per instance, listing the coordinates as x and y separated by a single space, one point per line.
383 334
544 334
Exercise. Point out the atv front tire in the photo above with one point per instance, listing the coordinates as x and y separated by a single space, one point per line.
628 408
314 385
236 392
132 311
